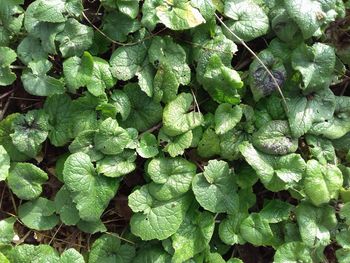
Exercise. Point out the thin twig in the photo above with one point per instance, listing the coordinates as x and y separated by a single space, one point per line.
6 94
257 58
117 236
54 235
2 114
154 128
116 42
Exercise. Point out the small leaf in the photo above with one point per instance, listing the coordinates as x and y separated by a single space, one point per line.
25 180
31 253
179 15
30 131
111 139
175 145
315 64
71 255
77 71
215 188
84 143
4 164
293 252
227 117
117 165
171 177
154 219
274 138
248 19
7 232
38 214
256 230
148 146
176 120
75 38
65 207
107 248
38 83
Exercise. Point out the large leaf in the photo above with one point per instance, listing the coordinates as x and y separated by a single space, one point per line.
177 119
256 230
4 163
293 252
227 117
90 192
8 56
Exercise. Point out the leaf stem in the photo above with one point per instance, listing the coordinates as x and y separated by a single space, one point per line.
257 58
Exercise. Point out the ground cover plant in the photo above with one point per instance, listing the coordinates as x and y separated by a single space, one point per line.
174 131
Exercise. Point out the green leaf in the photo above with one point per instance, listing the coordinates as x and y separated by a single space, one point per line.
322 183
65 207
91 227
25 180
206 8
193 236
118 26
227 117
171 177
154 219
58 108
77 71
260 82
75 38
276 211
117 165
175 145
101 77
49 11
179 15
111 139
275 172
30 253
315 223
177 119
321 149
4 163
209 145
37 82
7 230
315 64
6 140
38 214
308 15
152 254
338 125
274 138
343 255
84 143
8 56
145 113
90 192
30 131
230 142
293 252
304 111
215 188
165 52
256 230
129 7
71 255
248 19
107 248
345 213
122 103
148 146
229 229
222 82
